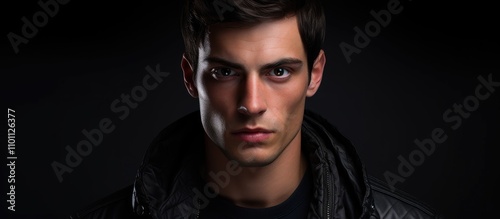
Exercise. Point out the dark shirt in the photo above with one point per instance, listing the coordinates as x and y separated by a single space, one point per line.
295 207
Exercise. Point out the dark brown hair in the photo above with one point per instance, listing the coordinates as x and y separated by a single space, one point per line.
198 15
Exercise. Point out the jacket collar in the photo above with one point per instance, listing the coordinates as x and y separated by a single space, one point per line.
166 181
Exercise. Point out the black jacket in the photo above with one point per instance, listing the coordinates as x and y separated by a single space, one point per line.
164 183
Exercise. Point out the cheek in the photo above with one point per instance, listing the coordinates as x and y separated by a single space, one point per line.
212 116
296 111
292 96
210 93
289 105
216 97
215 105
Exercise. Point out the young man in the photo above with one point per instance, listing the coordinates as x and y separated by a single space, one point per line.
252 150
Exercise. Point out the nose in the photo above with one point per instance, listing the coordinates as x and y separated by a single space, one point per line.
252 96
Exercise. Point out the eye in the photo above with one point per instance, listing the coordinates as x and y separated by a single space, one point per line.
279 73
221 73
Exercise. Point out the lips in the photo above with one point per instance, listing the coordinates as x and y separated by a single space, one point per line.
254 135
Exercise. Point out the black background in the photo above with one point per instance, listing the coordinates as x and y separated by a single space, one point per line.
396 90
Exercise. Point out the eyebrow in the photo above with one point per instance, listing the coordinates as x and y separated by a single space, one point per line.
280 62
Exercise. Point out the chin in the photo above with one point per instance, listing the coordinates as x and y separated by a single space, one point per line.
254 163
256 158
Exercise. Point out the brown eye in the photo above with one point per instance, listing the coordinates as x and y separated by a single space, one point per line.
280 72
220 73
225 71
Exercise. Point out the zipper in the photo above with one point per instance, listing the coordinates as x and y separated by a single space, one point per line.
328 195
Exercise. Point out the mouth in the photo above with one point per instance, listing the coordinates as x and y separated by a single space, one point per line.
253 135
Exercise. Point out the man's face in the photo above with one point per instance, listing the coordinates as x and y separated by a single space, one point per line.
252 83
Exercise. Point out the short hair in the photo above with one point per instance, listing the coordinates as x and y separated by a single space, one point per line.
199 15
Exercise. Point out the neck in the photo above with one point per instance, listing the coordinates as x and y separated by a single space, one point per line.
256 187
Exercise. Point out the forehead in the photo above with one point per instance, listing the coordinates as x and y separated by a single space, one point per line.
254 42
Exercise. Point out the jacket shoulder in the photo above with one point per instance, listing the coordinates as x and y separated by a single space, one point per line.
398 204
116 205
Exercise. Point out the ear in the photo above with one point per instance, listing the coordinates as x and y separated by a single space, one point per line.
188 75
316 73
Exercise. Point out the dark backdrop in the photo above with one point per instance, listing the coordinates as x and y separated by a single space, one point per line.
428 58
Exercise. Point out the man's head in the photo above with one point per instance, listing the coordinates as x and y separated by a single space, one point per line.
252 64
199 15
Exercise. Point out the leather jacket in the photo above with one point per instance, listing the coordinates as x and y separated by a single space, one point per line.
165 181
